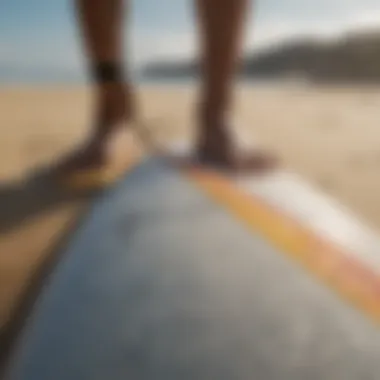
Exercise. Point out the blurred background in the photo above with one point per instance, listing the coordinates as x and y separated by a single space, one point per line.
308 89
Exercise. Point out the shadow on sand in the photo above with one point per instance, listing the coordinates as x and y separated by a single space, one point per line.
19 203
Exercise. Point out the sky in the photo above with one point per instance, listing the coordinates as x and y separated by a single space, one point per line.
39 38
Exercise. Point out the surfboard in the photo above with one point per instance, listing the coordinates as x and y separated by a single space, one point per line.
181 272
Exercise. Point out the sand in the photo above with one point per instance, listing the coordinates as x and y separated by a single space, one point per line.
329 135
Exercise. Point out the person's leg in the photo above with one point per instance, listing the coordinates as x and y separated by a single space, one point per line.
101 26
221 31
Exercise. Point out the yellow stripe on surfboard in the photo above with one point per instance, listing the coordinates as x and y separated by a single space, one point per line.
347 276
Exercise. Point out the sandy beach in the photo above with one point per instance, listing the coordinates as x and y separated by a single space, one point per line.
330 136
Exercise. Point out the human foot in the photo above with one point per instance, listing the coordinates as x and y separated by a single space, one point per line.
111 139
91 155
218 148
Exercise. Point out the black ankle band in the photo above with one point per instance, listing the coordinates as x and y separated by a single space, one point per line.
107 72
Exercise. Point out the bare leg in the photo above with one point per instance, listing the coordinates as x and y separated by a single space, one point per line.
221 29
101 24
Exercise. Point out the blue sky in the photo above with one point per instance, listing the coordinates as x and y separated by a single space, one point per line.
38 38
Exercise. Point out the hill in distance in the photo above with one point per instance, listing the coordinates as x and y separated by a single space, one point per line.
355 57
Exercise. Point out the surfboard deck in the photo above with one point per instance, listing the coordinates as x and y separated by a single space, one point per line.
168 279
